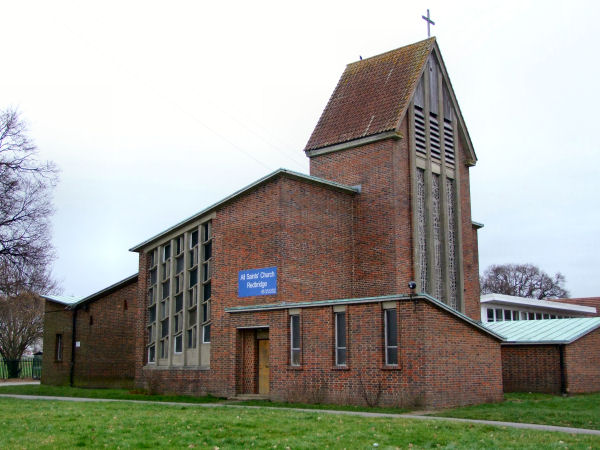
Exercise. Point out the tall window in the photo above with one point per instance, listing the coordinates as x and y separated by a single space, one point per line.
340 339
295 340
437 215
58 353
179 292
152 299
391 337
206 333
177 322
206 278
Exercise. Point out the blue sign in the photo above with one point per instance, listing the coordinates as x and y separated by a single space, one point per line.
257 282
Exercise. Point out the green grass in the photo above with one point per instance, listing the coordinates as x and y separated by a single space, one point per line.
114 394
54 424
580 411
319 406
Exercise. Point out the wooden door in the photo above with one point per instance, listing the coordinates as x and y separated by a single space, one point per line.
263 366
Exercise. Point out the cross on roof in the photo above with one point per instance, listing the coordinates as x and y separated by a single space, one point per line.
429 23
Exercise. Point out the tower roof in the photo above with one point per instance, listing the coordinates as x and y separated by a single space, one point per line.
373 96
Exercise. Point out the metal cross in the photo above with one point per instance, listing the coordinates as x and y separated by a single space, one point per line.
429 23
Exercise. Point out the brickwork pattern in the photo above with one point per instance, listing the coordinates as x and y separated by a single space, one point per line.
382 226
582 360
303 228
56 321
469 241
531 368
105 329
437 366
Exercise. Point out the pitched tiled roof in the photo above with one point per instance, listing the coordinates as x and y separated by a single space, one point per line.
372 96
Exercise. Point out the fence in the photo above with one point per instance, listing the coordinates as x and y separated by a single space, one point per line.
23 368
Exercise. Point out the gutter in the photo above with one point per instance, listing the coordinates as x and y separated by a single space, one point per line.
73 340
563 372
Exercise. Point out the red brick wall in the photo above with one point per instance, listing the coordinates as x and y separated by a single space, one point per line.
106 332
303 228
531 368
438 367
382 228
582 359
141 313
463 363
383 250
469 241
56 321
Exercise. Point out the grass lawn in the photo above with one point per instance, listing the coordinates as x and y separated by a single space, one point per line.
580 411
318 406
116 394
52 424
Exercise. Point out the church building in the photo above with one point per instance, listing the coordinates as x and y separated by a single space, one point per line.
296 287
357 283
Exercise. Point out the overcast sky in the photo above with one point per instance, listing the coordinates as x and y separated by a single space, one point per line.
155 110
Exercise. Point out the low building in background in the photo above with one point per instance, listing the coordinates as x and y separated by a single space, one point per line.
502 308
90 341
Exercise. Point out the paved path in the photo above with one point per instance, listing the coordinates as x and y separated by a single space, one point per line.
530 426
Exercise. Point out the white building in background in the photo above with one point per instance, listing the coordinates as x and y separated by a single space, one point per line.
499 307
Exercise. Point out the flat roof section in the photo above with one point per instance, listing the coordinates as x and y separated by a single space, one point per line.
509 300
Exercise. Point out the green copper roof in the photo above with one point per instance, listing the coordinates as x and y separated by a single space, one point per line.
547 331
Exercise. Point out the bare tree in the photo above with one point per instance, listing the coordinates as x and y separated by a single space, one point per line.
522 280
26 185
21 326
26 252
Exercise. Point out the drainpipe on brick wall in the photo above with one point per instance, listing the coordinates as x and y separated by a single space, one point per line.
73 340
563 374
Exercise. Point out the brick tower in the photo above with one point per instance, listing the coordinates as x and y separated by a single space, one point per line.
393 126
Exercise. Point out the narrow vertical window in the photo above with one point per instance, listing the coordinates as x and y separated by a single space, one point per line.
178 344
391 337
499 315
340 338
58 353
206 333
295 340
151 354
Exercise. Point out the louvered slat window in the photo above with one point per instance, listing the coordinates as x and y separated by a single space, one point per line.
434 137
420 131
449 142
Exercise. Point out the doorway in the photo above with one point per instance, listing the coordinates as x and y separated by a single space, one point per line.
263 366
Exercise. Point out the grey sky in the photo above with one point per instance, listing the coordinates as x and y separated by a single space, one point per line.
155 110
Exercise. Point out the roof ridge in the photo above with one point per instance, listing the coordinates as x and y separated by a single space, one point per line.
404 47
